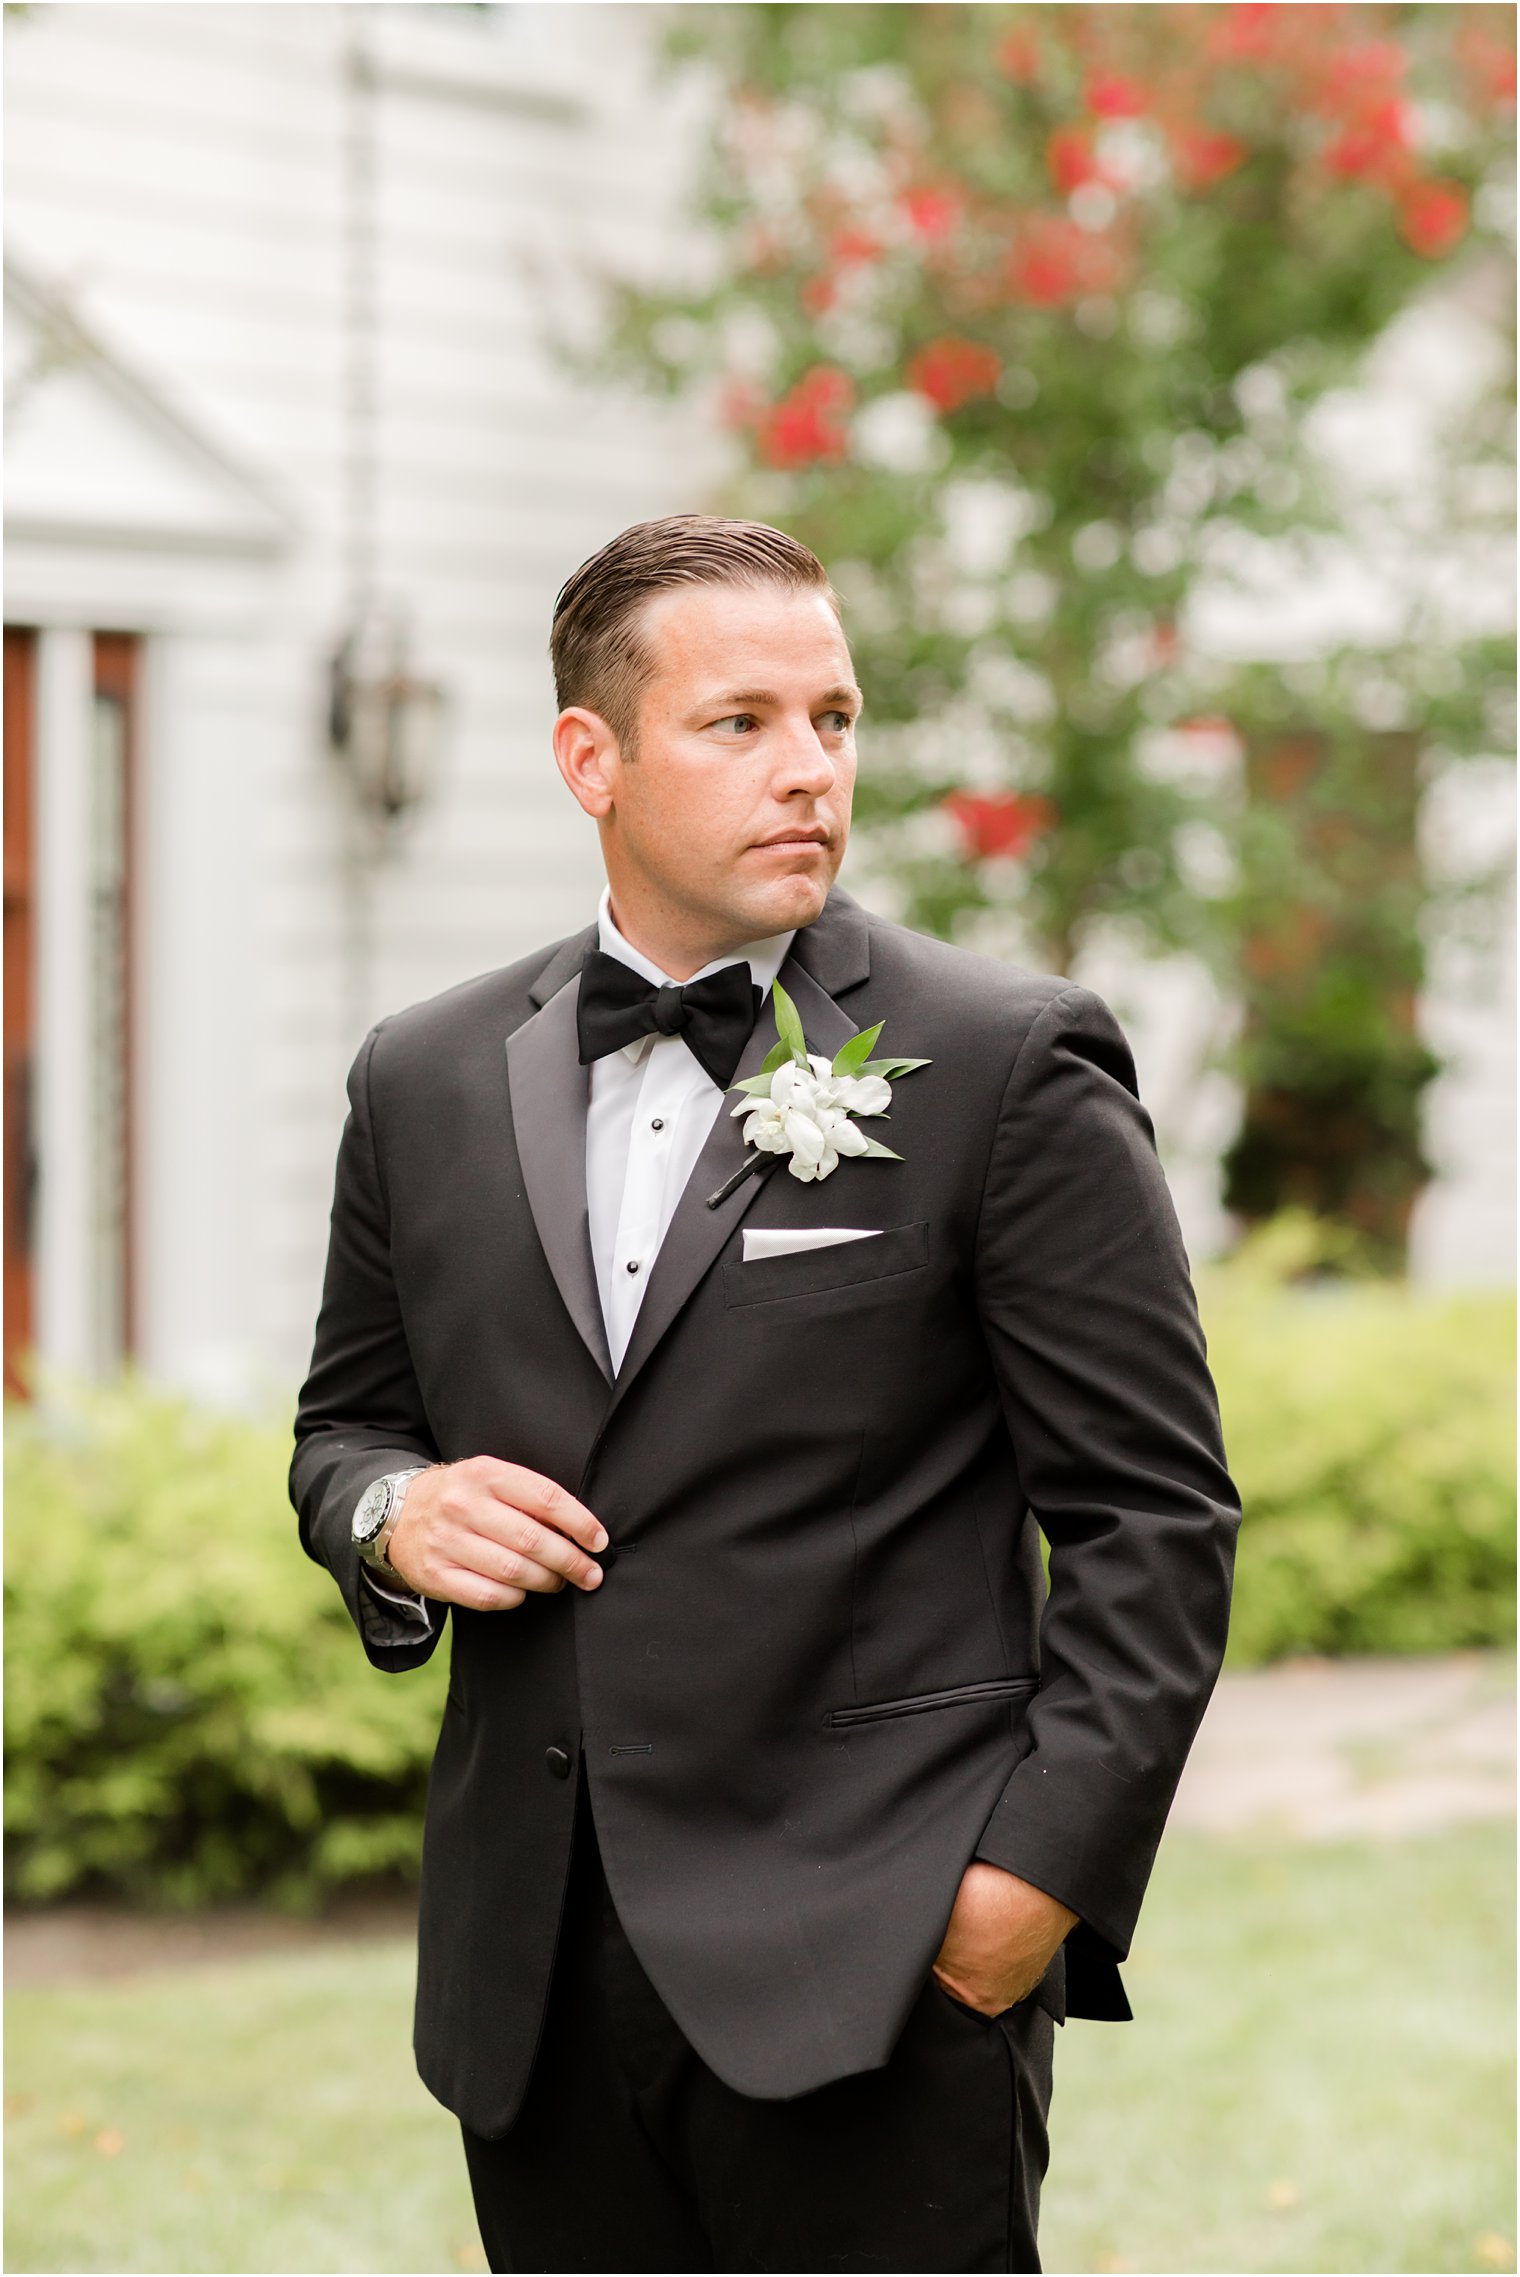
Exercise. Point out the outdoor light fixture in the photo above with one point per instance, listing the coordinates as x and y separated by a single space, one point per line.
384 723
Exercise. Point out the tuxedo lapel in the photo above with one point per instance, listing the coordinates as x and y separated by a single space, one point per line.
550 1093
550 1097
696 1233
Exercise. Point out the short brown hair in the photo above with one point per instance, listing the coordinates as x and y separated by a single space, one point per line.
599 660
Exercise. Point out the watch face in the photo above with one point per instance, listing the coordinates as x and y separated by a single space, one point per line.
370 1515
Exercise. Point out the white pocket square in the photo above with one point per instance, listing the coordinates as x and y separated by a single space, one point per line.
762 1242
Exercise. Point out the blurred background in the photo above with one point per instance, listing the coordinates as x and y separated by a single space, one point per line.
1145 377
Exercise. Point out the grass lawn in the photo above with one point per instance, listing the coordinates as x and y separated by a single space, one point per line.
1319 2078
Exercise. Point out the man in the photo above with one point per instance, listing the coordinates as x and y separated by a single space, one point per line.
777 1813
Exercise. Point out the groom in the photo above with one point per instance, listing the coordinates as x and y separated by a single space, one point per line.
778 1812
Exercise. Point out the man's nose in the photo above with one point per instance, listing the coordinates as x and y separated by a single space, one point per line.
805 764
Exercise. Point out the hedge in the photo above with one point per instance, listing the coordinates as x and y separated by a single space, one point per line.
189 1716
188 1712
1370 1429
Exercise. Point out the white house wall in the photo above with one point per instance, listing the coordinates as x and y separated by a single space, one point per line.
178 171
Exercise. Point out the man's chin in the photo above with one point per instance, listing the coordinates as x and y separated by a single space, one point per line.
786 903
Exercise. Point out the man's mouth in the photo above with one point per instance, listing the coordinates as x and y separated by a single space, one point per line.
796 838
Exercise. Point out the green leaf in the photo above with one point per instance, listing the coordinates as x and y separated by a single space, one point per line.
777 1056
874 1146
850 1057
788 1025
758 1085
891 1067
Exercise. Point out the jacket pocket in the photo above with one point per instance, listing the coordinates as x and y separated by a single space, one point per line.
896 1249
916 1703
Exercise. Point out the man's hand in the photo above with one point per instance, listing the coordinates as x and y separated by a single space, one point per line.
484 1533
1001 1938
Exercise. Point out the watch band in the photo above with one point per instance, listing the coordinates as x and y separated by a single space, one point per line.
376 1552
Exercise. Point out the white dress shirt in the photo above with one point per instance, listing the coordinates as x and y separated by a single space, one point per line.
652 1105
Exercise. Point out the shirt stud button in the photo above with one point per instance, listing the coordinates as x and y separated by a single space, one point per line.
658 1124
633 1264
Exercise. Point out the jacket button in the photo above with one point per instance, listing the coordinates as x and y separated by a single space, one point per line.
558 1762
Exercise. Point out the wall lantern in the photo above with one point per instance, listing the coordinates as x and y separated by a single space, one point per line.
385 723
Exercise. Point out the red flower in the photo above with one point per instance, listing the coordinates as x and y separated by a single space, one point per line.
1206 723
1053 261
1201 157
1018 56
1243 33
808 423
1110 96
1363 75
1003 823
818 295
932 212
1375 145
1433 216
1490 65
950 371
850 245
1070 158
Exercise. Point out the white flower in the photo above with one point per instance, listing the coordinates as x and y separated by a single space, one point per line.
807 1115
801 1104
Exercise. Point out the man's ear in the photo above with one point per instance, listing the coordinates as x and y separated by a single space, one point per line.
587 755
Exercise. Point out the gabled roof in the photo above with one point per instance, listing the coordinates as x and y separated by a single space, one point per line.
99 454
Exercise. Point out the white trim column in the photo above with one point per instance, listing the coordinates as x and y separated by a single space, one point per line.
65 1194
197 1078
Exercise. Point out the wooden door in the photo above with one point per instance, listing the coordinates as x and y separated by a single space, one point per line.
113 805
20 1001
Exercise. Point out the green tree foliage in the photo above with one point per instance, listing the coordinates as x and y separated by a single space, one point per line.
1016 314
1019 315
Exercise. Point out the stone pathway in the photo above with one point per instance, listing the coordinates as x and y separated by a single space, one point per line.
60 1943
1320 1748
1309 1749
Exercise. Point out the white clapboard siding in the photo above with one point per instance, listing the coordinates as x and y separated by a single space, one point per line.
179 174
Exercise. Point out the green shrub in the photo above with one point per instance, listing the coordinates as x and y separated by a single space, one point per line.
1369 1429
188 1713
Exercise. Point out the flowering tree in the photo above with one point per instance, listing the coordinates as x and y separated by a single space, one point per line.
1017 315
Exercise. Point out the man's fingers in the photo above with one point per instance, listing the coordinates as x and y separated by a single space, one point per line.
469 1551
517 1571
531 1540
497 1539
519 1533
465 1522
457 1586
541 1498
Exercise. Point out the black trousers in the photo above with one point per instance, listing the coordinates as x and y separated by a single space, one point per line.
629 2154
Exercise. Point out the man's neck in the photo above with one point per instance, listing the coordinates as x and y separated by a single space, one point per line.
672 947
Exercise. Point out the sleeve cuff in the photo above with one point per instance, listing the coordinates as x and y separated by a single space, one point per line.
391 1616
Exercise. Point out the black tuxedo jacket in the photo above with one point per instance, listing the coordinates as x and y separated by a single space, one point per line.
822 1672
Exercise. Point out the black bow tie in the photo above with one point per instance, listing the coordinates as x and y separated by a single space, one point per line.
715 1015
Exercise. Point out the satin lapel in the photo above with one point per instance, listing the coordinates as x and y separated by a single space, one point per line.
696 1234
550 1092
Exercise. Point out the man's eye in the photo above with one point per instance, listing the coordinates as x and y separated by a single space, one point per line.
842 722
739 720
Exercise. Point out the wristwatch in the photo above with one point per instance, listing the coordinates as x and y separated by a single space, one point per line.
375 1516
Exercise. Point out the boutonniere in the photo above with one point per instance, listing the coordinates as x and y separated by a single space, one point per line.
801 1105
